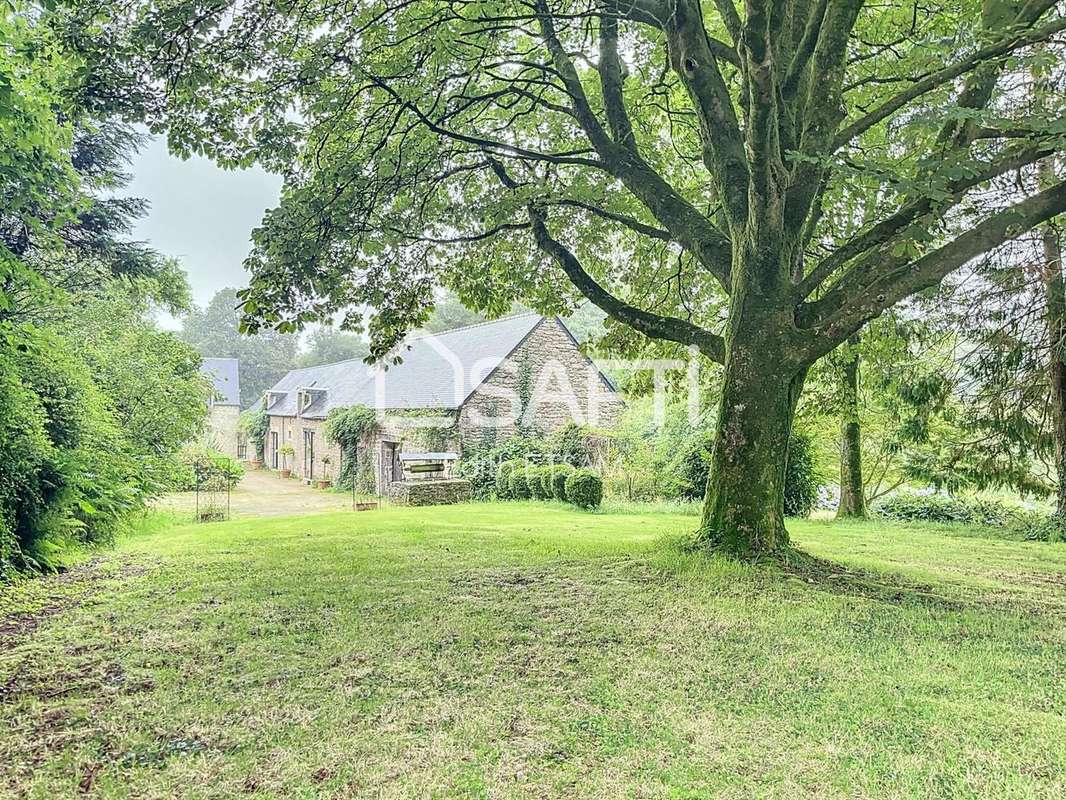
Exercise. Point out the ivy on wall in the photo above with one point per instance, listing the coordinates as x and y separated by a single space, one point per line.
347 427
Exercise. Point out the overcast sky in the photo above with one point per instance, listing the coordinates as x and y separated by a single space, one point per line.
201 214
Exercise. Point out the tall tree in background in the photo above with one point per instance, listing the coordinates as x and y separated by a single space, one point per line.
682 164
1054 285
328 346
852 489
215 332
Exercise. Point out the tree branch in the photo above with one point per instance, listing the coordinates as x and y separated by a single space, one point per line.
980 57
885 231
610 70
622 219
720 135
689 228
653 325
848 307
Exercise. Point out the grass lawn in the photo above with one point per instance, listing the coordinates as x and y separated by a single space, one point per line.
525 650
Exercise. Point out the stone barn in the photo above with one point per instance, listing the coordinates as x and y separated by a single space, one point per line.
224 406
469 387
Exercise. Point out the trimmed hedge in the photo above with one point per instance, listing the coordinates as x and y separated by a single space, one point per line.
540 482
584 488
518 483
558 475
503 478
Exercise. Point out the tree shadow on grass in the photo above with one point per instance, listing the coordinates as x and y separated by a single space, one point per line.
837 578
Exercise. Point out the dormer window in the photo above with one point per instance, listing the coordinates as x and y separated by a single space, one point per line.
273 398
308 396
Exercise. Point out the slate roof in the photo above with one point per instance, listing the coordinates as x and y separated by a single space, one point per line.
226 378
438 371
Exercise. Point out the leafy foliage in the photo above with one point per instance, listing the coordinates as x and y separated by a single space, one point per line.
911 507
503 478
801 477
559 475
328 346
207 467
96 401
254 425
214 331
568 444
518 484
584 488
350 427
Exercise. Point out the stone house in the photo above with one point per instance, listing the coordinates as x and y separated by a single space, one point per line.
224 406
469 387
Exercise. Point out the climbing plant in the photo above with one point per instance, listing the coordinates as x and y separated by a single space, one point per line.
347 427
254 425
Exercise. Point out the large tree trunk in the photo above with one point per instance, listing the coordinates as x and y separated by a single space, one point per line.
1055 302
743 511
852 503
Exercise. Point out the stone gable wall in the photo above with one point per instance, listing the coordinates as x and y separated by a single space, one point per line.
548 369
546 382
222 423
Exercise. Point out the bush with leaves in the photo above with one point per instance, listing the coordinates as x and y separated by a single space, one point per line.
349 428
801 477
503 478
206 467
1035 526
68 472
569 445
518 483
539 480
480 468
254 425
914 507
584 488
692 465
559 473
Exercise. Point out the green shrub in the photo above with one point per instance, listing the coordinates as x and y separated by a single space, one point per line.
545 474
558 475
584 488
503 478
1035 526
801 477
518 483
692 465
207 467
254 424
535 481
480 469
912 507
569 445
349 427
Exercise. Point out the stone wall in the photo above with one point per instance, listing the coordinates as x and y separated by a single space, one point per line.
221 433
546 382
290 431
430 493
406 432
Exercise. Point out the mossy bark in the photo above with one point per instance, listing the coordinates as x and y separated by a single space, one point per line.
743 512
852 502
